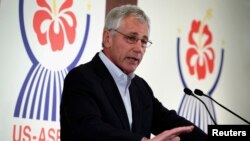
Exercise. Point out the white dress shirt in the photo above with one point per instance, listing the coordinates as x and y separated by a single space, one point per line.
122 81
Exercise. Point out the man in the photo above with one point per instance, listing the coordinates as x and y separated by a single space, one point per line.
103 100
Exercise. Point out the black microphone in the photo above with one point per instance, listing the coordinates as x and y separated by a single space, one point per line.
200 93
189 92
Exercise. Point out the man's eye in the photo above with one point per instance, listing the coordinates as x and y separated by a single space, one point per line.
132 38
144 41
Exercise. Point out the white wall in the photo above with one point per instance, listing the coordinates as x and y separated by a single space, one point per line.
230 28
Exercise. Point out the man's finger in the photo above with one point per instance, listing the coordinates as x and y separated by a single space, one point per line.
176 138
171 134
180 130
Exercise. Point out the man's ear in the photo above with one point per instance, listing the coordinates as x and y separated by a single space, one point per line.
106 41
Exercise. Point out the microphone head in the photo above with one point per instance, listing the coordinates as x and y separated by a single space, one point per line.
198 92
188 91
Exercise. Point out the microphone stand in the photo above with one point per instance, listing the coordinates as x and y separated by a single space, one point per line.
189 92
200 93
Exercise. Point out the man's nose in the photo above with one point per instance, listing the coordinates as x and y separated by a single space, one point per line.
139 47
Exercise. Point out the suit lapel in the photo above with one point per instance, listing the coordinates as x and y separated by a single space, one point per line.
112 91
136 112
116 101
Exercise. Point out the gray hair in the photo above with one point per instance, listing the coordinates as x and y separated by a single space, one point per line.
116 15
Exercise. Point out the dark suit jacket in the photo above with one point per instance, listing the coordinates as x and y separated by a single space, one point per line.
92 109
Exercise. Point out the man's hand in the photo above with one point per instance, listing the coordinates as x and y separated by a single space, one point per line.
171 135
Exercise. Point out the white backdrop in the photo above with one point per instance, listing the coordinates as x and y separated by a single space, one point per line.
170 20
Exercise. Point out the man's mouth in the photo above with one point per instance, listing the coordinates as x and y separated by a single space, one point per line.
133 58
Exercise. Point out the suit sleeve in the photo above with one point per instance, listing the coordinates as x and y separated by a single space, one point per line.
165 119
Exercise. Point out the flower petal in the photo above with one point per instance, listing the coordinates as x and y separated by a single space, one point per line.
39 17
210 57
70 30
191 53
43 3
65 5
194 29
201 68
207 32
56 39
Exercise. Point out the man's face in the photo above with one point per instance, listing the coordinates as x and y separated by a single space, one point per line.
127 56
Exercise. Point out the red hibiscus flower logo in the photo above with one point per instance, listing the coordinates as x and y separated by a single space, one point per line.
54 23
200 55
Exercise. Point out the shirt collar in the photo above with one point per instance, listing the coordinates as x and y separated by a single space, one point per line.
116 72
